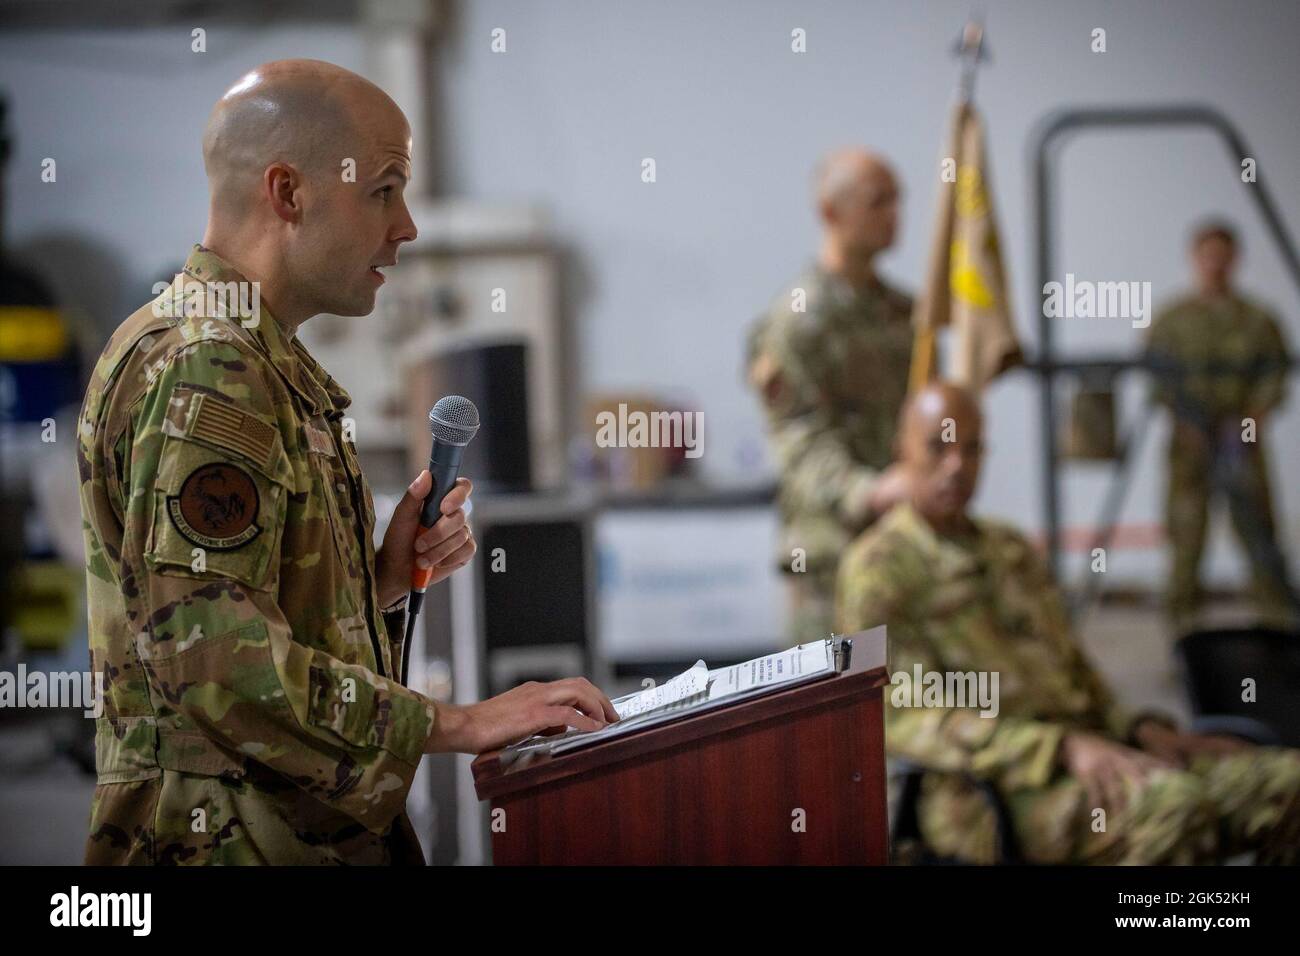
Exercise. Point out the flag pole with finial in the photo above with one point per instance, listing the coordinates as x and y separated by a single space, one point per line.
970 51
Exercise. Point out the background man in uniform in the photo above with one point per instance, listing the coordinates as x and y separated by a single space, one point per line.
966 595
830 363
1219 360
248 628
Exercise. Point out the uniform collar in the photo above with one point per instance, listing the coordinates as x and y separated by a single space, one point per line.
289 356
840 290
954 555
909 521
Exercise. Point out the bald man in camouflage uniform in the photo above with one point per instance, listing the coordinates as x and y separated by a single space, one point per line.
829 361
248 629
968 596
1220 367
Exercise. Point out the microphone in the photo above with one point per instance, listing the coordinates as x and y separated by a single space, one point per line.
453 422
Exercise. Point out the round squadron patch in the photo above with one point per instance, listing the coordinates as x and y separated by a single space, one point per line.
216 508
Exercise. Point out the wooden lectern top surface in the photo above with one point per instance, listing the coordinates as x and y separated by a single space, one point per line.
866 671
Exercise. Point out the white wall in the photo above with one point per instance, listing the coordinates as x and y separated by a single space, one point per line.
122 114
669 276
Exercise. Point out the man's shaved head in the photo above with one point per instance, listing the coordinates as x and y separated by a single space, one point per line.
857 200
299 112
844 170
306 164
941 443
933 403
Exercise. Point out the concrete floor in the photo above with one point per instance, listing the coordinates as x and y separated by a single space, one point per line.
44 798
1133 649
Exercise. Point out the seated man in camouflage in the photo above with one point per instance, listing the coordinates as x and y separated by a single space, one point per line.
1083 782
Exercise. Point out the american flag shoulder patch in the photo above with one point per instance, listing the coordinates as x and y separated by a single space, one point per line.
226 425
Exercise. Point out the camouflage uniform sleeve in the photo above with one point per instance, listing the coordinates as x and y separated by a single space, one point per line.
215 646
1014 752
1160 352
1270 388
819 472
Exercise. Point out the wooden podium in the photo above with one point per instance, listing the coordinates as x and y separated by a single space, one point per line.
796 776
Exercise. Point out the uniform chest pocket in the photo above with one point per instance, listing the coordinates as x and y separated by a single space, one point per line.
329 520
364 500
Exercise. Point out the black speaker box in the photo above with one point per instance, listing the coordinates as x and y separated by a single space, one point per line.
495 378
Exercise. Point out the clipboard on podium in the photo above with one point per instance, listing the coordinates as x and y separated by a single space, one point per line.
697 690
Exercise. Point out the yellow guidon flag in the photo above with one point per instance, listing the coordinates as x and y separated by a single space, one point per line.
965 285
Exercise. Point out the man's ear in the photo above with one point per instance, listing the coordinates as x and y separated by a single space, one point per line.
827 212
281 187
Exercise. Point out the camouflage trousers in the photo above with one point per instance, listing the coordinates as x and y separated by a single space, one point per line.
1217 808
812 606
1195 473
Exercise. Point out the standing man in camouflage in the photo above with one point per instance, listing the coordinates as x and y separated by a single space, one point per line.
830 363
962 596
1220 366
247 626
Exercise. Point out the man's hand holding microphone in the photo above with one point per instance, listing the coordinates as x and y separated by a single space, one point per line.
427 539
442 549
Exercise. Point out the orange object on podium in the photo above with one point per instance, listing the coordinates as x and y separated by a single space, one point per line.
794 776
